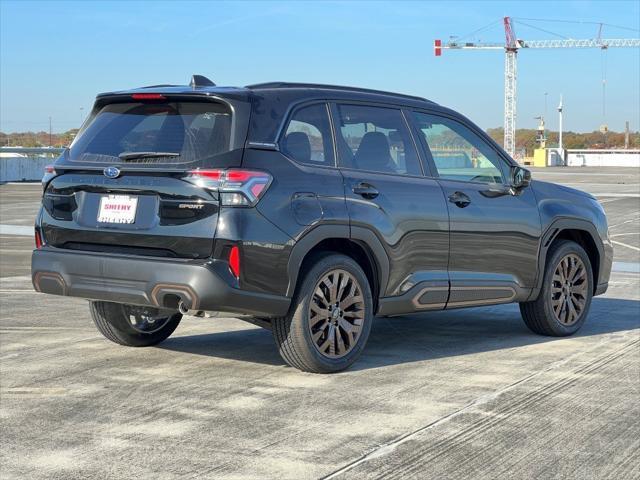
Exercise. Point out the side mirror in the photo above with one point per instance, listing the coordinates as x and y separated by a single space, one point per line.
520 177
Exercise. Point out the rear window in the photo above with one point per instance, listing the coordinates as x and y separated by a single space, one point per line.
169 133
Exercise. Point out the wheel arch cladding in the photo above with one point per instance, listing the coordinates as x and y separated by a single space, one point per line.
353 249
373 261
581 232
586 241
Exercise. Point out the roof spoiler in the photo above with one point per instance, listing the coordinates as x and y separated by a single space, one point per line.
200 81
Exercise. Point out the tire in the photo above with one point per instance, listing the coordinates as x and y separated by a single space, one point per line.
549 314
113 321
339 338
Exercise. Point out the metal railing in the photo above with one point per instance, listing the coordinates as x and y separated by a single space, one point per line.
19 164
31 151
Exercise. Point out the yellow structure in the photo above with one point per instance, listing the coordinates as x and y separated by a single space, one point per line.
540 157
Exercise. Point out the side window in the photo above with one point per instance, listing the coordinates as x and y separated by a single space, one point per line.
458 152
375 139
308 136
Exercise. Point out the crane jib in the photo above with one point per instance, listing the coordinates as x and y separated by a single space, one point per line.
510 47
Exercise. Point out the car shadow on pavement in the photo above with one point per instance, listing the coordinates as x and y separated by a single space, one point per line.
419 337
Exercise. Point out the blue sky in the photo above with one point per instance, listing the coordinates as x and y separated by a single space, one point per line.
55 56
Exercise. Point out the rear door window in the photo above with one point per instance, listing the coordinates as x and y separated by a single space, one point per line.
375 139
307 138
184 131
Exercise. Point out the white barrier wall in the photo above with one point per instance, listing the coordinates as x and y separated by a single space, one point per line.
603 158
20 169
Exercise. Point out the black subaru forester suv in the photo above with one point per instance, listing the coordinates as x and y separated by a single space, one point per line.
306 209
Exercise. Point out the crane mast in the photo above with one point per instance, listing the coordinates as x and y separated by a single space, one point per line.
510 71
510 47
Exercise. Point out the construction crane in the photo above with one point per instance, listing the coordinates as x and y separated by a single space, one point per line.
511 47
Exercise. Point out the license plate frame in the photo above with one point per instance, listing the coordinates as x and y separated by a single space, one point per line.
117 209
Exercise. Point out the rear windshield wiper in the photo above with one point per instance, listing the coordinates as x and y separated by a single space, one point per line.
134 155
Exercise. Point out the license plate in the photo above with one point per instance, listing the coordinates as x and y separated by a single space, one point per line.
117 209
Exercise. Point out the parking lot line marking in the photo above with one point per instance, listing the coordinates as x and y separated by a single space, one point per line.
592 174
620 195
20 329
625 245
621 283
18 291
19 230
15 278
593 184
25 184
624 223
626 267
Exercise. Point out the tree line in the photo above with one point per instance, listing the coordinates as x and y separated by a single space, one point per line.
525 139
37 139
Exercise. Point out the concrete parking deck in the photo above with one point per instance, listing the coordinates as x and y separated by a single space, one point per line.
459 394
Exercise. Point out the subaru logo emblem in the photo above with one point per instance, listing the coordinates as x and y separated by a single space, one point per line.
111 172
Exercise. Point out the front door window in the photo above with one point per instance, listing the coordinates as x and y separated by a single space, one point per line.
459 153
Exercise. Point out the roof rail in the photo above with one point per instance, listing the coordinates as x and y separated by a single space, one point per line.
332 87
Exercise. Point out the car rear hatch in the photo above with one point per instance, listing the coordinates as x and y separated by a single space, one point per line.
126 183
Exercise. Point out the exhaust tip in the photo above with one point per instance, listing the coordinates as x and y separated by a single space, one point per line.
183 308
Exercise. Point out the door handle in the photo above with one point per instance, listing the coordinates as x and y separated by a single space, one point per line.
460 199
365 190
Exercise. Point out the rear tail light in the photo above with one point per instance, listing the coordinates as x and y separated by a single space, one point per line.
49 170
234 261
38 239
237 187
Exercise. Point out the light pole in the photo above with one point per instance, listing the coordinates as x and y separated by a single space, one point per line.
546 94
50 143
560 150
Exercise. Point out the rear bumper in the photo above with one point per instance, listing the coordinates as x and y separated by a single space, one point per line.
157 282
